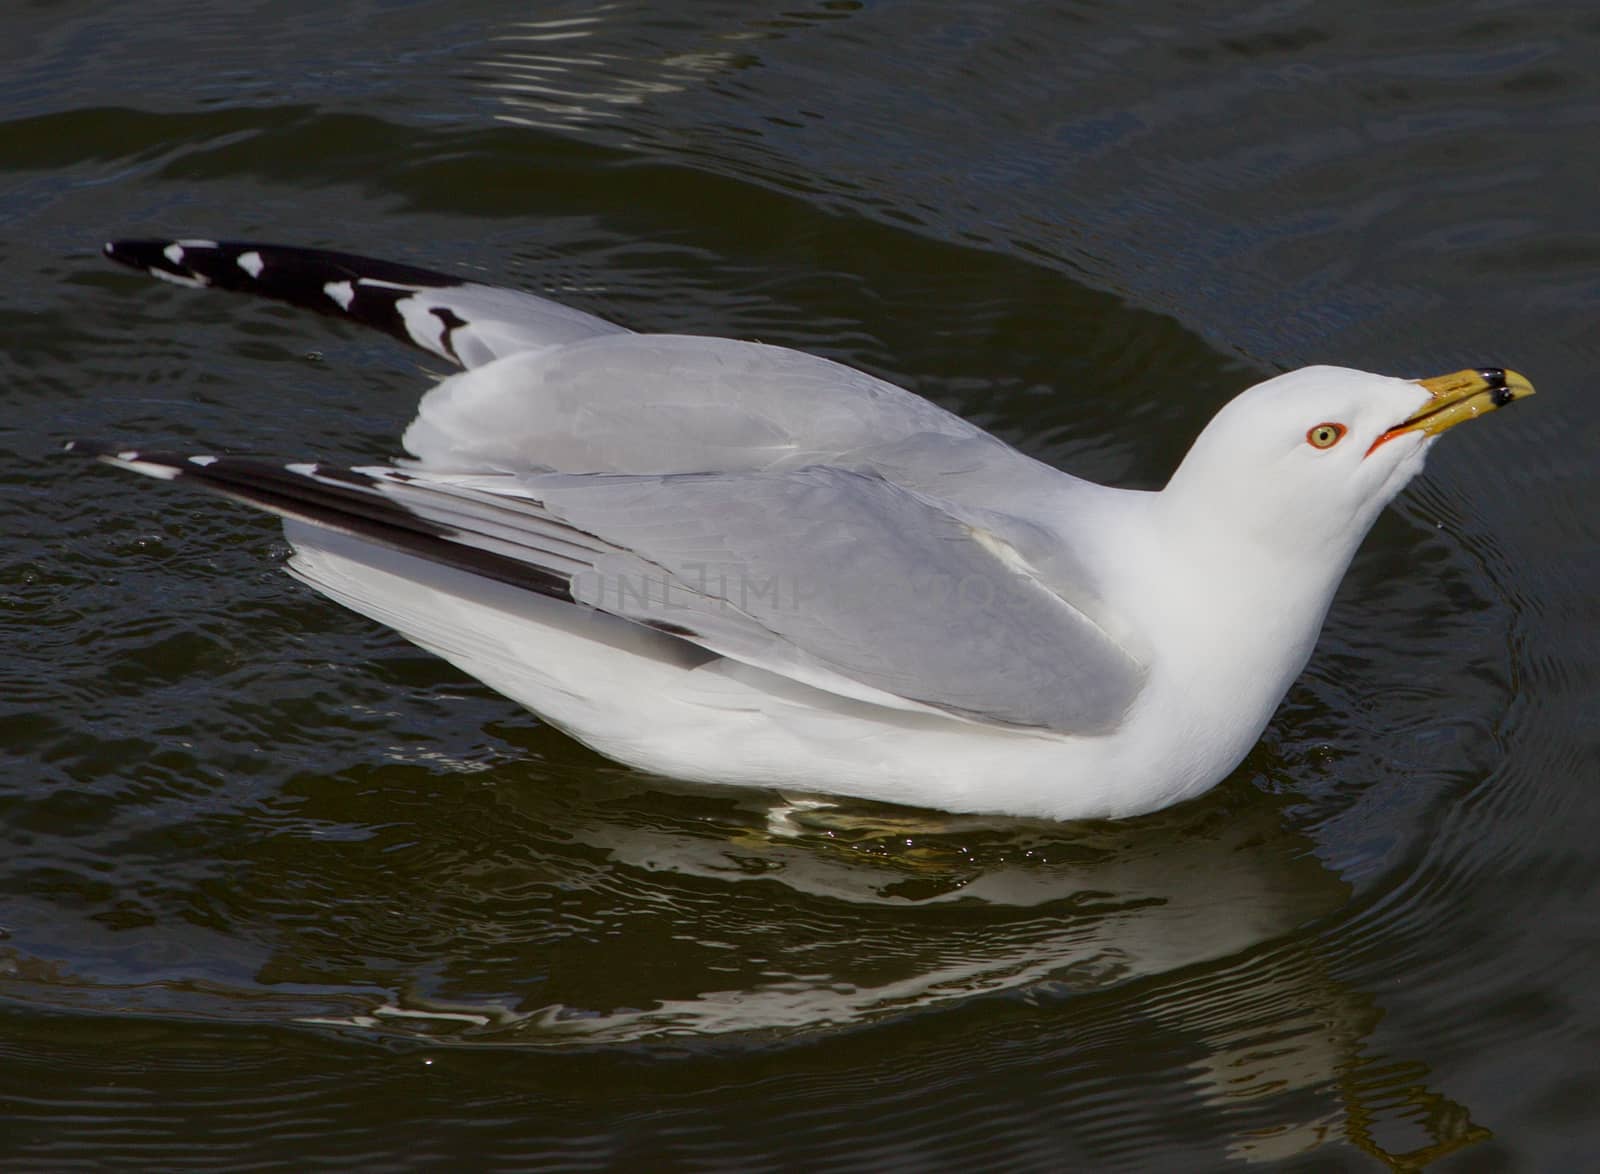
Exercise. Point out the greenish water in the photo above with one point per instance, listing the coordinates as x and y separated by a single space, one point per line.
277 887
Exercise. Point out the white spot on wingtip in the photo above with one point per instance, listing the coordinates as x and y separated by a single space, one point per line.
303 468
426 328
342 292
129 459
251 263
173 253
203 461
159 472
178 278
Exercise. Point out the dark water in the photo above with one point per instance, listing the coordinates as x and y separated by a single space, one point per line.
277 887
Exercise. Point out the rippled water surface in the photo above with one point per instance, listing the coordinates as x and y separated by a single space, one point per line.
278 887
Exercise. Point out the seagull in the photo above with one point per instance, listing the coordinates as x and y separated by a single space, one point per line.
740 564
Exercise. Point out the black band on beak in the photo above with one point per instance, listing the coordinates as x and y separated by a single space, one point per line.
1499 393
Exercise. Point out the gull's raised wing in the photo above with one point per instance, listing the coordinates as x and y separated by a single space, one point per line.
462 321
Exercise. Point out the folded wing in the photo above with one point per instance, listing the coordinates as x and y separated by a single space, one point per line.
839 579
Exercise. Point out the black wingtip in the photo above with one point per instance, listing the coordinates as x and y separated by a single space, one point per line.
340 285
280 271
346 501
89 448
170 260
138 254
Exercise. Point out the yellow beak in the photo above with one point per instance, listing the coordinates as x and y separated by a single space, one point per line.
1460 396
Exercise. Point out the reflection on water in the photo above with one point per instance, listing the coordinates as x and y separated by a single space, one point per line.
637 918
803 917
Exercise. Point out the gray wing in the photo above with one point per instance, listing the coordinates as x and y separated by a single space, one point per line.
637 403
859 575
840 580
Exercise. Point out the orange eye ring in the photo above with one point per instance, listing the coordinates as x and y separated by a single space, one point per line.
1325 435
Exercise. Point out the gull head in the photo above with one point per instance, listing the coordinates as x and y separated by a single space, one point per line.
1228 589
1305 462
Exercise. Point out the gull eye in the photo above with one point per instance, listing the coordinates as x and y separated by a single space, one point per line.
1326 435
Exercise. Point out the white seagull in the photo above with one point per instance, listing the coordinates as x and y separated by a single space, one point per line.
740 564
